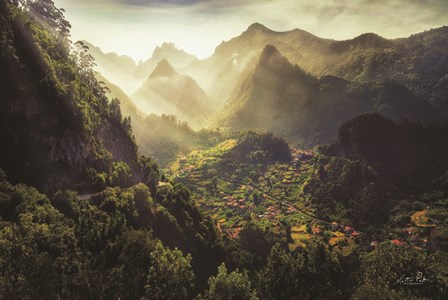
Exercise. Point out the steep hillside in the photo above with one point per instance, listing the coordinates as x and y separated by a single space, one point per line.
168 92
55 121
282 98
128 108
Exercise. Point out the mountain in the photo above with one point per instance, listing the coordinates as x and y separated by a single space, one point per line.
419 62
119 70
58 130
168 92
177 57
409 158
281 97
232 58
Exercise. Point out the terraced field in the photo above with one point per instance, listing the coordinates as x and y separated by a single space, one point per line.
233 192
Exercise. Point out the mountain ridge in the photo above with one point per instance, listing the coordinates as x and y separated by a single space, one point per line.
365 57
176 56
281 97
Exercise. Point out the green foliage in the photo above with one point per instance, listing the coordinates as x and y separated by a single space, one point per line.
121 174
56 119
66 202
374 163
232 286
383 269
260 147
257 242
38 249
131 258
60 131
170 275
312 274
97 248
180 224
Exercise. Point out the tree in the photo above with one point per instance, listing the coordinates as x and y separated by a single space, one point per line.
45 9
66 203
257 242
132 261
230 286
257 198
115 110
279 279
312 274
121 174
383 269
170 275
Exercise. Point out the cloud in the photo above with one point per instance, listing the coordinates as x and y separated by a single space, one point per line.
135 27
150 3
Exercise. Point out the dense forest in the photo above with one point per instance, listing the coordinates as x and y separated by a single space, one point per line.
227 214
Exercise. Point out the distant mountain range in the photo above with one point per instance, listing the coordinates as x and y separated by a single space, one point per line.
419 62
177 58
317 85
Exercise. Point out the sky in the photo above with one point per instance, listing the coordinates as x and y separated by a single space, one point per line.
136 27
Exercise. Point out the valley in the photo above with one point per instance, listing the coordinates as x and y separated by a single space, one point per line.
282 166
235 189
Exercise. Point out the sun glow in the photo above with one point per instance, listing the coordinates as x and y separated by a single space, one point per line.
199 26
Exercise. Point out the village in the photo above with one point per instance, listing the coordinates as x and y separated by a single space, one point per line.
268 196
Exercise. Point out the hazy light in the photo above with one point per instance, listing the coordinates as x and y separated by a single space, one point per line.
135 30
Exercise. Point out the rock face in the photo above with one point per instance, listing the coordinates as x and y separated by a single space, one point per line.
168 92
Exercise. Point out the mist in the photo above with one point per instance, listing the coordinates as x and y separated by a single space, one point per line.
136 27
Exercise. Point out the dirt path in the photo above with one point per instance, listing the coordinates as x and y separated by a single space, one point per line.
86 196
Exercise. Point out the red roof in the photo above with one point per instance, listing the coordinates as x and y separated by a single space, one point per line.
316 230
398 242
348 229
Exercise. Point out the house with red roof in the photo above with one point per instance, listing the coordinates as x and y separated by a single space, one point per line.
398 242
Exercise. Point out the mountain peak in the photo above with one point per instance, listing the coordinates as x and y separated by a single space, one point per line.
168 45
163 69
270 56
363 41
371 39
272 60
257 27
170 49
268 51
